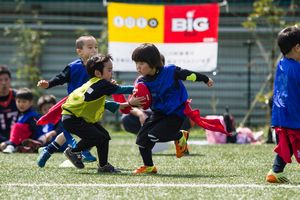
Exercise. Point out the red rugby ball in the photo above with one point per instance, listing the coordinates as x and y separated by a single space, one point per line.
141 90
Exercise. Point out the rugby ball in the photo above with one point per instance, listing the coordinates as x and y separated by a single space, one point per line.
141 90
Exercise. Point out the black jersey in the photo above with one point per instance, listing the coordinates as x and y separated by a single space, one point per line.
8 113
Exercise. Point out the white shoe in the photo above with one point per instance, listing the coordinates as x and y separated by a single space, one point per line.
9 149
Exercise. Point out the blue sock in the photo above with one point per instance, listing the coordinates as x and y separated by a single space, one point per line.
52 147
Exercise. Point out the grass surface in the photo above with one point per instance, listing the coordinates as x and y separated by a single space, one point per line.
211 172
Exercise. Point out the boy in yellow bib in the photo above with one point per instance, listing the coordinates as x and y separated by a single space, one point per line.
85 107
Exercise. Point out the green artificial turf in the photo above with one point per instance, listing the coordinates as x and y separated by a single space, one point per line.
228 171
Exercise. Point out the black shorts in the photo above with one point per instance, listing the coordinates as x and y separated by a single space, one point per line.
159 128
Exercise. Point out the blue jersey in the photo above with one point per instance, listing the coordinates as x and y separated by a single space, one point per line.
78 75
30 117
168 93
286 97
74 74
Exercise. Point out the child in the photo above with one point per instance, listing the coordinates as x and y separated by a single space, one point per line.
8 108
286 104
50 131
168 103
85 107
75 75
25 127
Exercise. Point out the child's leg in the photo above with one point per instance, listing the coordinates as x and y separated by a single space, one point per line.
54 146
89 133
279 164
87 156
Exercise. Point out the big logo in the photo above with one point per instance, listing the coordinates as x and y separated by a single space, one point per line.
189 24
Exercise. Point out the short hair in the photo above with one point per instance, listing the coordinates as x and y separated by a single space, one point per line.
96 62
82 39
288 38
5 70
24 93
46 99
147 53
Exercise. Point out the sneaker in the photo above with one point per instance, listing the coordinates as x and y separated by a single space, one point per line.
9 149
145 170
88 157
108 168
181 144
34 144
74 157
44 155
273 177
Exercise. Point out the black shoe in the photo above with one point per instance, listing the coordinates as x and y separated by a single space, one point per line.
108 168
74 157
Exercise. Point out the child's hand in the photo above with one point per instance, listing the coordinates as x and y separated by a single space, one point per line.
43 84
210 82
114 82
136 101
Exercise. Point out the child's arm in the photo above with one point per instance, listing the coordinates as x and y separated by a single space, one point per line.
184 74
60 79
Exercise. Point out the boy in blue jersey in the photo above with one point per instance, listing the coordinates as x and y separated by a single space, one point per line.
25 127
8 108
168 102
50 130
286 104
75 75
85 107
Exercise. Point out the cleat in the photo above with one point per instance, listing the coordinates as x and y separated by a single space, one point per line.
88 157
74 157
44 155
181 144
187 152
108 168
33 144
145 170
273 177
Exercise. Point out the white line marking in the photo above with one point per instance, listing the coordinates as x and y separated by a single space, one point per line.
152 185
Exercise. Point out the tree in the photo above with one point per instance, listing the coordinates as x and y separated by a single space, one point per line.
267 13
29 47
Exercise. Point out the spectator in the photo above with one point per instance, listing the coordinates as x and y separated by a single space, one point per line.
8 108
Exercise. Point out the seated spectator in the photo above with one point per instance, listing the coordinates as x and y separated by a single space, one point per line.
25 126
8 108
49 131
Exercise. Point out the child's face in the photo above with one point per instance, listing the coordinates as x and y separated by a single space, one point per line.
4 84
45 108
144 69
107 71
90 48
23 104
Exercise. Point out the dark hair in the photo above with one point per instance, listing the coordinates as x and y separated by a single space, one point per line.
96 62
81 41
147 53
288 38
46 99
24 93
163 60
4 70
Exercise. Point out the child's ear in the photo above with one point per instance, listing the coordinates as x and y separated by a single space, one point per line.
78 51
97 73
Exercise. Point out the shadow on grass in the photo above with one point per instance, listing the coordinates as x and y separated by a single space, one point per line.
173 155
128 172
